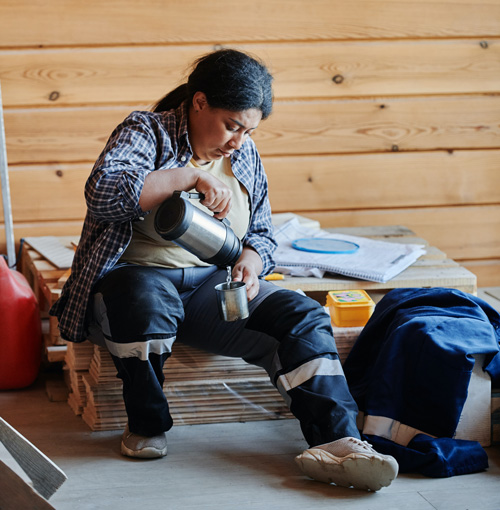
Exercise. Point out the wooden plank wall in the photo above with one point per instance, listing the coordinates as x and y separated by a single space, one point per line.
387 111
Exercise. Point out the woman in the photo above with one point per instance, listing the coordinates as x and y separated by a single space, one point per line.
135 293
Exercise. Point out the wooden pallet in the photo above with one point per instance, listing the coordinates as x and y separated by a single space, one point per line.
46 279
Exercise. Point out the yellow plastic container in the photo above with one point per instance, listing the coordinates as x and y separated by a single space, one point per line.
349 308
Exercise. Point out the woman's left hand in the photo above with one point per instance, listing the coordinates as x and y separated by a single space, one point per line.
247 270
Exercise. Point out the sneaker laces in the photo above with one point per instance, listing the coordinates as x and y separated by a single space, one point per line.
347 446
360 442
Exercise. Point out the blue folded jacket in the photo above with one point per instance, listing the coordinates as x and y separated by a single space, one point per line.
409 373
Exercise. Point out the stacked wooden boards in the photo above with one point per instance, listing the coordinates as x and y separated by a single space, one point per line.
46 277
200 388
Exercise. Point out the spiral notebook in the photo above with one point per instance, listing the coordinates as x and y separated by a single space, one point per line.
377 261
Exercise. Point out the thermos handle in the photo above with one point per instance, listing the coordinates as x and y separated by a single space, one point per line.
199 196
187 194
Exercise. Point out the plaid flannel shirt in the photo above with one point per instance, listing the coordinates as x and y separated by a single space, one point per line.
142 143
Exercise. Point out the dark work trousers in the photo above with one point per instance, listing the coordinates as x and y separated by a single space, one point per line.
138 312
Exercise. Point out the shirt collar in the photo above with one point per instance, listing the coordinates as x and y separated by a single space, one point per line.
185 151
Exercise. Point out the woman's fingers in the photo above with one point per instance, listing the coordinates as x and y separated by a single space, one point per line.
217 196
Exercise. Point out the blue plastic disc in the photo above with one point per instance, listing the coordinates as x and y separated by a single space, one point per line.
325 245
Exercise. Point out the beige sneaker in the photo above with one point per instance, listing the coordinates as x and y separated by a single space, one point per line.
134 445
349 462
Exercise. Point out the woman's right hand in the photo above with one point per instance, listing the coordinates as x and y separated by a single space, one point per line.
217 194
160 185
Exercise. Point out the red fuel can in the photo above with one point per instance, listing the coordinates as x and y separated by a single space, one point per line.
20 330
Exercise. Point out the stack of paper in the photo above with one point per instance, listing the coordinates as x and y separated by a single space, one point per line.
377 261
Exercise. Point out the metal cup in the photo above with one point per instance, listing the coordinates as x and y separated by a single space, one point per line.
232 301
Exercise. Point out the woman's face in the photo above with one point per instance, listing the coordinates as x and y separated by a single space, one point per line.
216 133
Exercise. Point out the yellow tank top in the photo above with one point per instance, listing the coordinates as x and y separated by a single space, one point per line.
147 248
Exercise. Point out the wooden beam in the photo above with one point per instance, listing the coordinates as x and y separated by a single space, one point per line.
107 22
463 233
487 271
44 474
314 183
372 181
16 494
142 75
69 134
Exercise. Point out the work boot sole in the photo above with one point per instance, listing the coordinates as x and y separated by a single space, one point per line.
366 473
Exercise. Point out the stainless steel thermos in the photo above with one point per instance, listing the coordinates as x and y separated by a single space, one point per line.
210 239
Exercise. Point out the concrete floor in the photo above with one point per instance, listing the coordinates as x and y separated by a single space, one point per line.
236 466
244 466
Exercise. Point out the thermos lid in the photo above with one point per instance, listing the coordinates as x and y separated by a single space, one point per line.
173 217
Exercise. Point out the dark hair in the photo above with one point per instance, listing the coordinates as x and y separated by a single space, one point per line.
230 79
